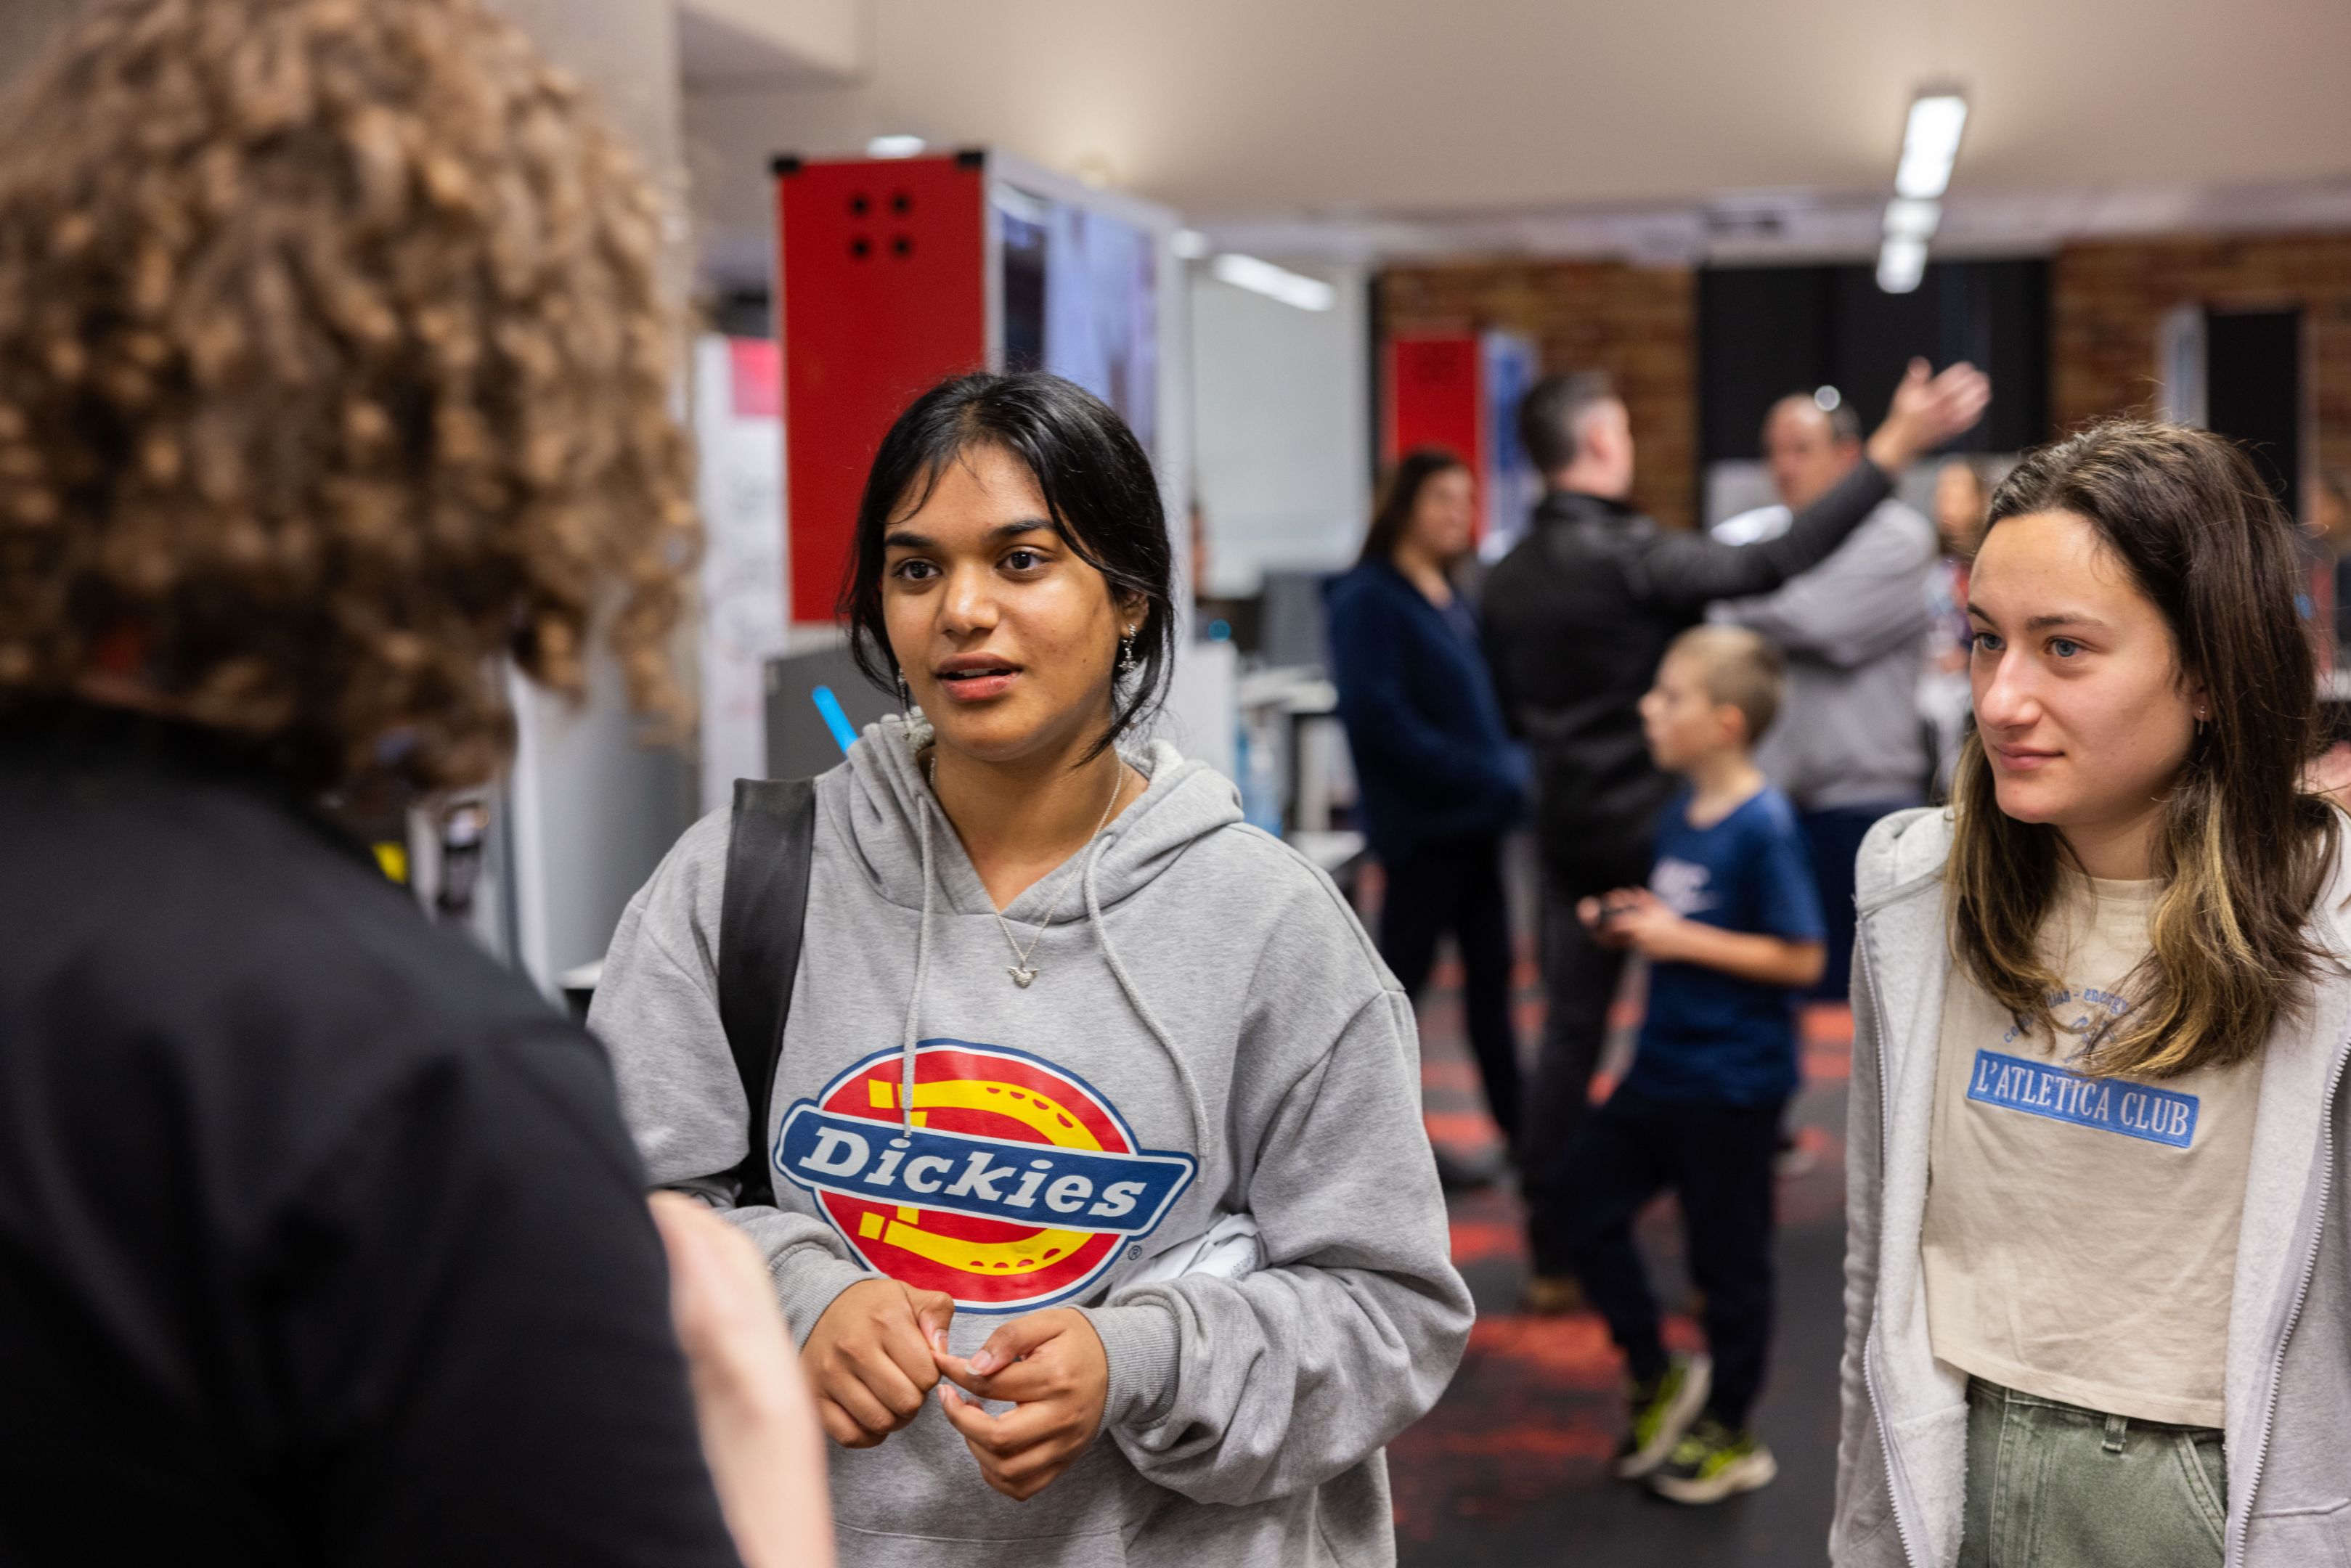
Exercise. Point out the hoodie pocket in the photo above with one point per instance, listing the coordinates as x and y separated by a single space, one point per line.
870 1549
2307 1538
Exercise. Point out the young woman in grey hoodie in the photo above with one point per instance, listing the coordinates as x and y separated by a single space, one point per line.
2098 1284
1096 1112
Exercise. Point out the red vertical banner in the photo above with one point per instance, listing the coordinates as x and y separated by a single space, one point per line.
1435 397
881 289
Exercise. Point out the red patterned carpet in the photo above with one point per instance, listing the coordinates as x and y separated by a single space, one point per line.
1512 1466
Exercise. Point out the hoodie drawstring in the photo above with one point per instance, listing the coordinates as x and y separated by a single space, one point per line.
1197 1106
922 973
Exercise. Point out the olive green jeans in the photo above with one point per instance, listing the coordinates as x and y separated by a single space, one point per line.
2056 1486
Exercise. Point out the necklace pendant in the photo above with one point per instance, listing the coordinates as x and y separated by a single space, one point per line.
1021 976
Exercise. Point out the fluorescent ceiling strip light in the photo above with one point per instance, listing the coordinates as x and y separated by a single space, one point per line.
1912 219
1273 282
1930 143
1901 264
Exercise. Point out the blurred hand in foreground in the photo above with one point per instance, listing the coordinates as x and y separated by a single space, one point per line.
759 1431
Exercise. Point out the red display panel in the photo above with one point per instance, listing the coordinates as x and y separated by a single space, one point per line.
882 290
1435 397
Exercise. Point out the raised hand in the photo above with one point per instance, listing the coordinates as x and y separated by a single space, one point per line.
1051 1366
872 1358
1928 410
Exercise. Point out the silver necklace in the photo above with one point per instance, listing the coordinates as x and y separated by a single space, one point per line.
1023 973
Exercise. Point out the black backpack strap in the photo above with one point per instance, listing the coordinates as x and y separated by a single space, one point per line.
769 845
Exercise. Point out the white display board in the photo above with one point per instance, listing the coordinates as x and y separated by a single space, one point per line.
738 438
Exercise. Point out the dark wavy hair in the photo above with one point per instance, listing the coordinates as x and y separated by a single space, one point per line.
1099 490
1399 494
2244 849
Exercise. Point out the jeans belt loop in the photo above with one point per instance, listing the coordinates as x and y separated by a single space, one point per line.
2115 1427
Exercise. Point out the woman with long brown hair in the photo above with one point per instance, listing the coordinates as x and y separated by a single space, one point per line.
2096 1292
1441 779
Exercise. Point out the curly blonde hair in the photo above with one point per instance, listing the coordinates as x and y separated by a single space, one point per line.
336 356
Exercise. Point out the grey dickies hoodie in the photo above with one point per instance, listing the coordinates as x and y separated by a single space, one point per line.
1209 1033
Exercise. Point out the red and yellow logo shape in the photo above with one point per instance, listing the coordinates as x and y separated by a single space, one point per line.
1016 1186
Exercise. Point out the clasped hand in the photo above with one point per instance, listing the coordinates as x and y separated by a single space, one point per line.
1632 918
881 1346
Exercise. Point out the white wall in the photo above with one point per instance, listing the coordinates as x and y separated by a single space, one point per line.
1281 405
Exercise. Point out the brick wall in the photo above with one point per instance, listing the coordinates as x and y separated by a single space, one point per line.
2106 300
1637 323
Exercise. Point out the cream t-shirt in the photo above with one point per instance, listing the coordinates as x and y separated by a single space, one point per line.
2081 1233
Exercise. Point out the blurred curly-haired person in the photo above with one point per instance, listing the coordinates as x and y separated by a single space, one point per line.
335 358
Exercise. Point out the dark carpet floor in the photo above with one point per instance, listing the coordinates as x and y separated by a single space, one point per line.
1511 1467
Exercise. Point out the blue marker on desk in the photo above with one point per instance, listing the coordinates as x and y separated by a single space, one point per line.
827 707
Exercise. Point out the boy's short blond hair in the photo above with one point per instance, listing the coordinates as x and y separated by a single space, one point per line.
1738 668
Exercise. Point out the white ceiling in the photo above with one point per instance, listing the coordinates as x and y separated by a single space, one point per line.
1386 117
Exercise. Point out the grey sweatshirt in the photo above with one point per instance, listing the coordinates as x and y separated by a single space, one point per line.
1902 1449
1854 631
1209 1033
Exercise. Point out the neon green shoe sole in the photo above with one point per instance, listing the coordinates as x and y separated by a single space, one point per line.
1712 1463
1659 1424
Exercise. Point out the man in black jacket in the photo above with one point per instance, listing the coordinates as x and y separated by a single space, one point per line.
1576 618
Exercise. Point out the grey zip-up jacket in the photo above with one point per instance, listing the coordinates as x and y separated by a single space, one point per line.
1854 631
1902 1449
1209 1034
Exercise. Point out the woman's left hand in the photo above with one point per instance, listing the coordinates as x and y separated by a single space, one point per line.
1051 1366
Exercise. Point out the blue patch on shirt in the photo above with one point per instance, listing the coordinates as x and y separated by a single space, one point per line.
2039 1089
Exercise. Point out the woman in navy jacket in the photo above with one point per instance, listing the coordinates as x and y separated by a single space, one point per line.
1441 779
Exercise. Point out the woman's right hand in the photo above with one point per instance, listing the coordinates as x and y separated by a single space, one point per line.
869 1358
1928 410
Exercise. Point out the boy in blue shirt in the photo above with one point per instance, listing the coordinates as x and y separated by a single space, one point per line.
1730 923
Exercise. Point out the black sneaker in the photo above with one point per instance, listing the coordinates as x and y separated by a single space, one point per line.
1713 1462
1663 1409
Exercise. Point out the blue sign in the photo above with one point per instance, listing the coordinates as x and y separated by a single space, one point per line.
2111 1105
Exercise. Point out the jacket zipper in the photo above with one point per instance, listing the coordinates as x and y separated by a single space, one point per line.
1868 1357
2301 1296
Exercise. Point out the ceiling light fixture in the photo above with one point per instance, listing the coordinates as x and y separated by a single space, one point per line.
897 145
1901 264
1912 218
1273 282
1930 145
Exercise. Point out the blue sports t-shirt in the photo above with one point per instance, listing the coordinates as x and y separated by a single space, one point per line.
1707 1035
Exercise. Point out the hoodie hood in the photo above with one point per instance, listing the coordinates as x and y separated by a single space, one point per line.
890 809
889 804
